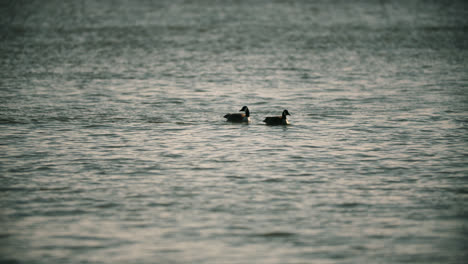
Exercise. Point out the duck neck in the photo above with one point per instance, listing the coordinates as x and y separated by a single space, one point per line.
247 112
284 116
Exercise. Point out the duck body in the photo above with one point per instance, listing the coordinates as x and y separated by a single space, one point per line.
277 120
239 117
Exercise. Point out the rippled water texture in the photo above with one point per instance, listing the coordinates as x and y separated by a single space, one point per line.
114 149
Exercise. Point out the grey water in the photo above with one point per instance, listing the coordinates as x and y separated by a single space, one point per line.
114 149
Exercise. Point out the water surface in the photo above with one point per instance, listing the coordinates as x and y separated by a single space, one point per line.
114 148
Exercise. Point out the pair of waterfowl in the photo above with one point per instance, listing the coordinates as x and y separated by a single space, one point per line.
269 120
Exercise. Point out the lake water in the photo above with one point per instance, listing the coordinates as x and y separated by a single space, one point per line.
114 149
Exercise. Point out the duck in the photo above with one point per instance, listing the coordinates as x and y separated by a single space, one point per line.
277 120
239 118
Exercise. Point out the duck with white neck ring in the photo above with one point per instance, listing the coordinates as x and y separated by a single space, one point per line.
277 120
239 118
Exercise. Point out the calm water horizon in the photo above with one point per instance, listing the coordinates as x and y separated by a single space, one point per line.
114 149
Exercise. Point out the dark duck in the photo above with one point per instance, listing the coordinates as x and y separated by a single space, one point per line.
239 117
277 120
